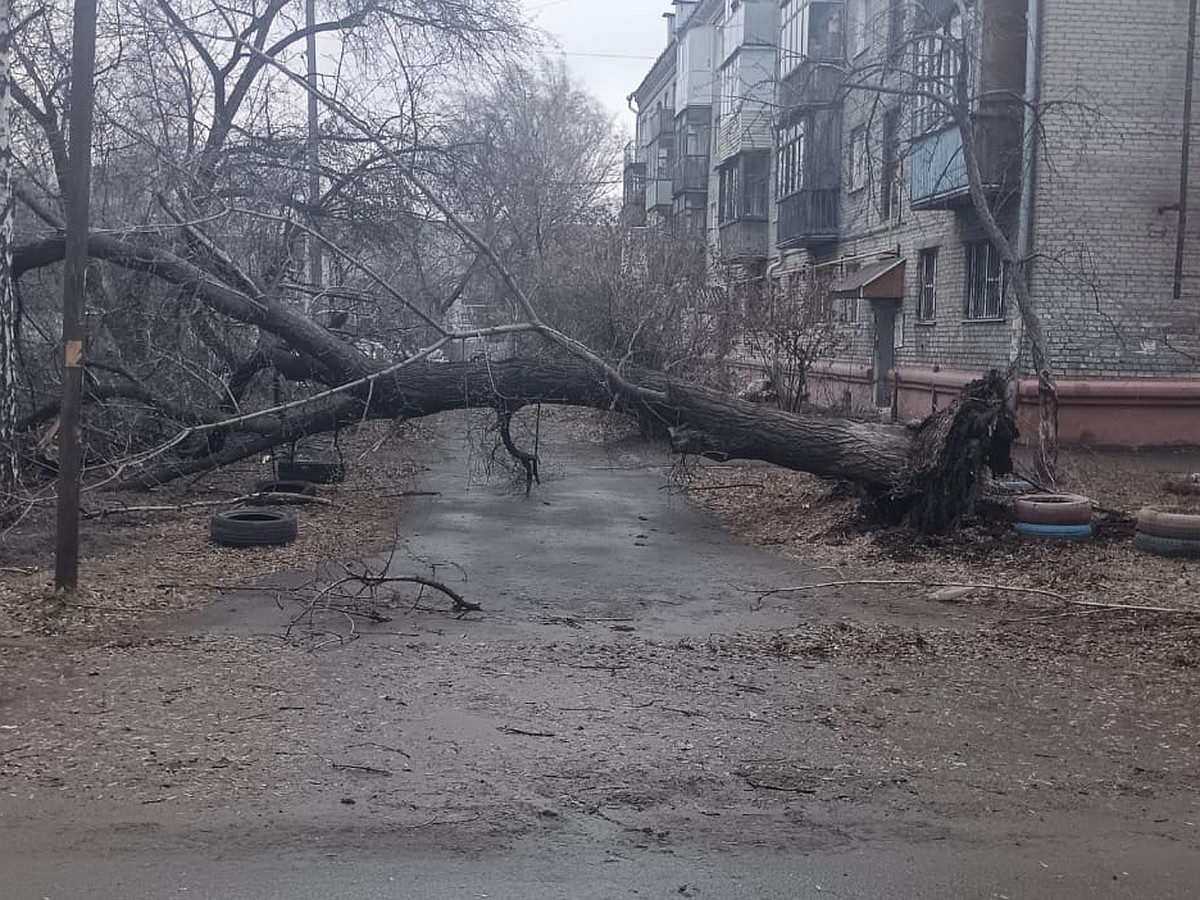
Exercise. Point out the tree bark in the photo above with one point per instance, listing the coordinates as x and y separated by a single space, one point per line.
8 309
929 477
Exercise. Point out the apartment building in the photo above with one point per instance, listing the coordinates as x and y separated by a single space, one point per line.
835 158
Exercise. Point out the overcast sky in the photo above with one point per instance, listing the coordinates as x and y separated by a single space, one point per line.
608 44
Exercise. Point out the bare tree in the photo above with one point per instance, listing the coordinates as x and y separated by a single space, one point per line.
9 459
198 288
932 63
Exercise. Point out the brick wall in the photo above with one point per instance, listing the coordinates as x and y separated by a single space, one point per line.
1113 79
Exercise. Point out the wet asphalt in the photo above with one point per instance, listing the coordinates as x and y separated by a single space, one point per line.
605 538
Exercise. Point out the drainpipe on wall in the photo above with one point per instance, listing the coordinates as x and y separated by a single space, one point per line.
1027 212
1185 159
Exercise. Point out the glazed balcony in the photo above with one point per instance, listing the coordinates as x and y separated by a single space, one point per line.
808 218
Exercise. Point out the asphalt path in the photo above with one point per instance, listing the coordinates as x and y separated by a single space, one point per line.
604 540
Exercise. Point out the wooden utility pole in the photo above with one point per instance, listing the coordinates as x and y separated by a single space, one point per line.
76 202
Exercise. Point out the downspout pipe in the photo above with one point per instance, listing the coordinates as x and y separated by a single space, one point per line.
1029 138
1186 152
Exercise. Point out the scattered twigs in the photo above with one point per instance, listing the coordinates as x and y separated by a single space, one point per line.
1004 588
370 770
508 729
720 487
355 594
257 498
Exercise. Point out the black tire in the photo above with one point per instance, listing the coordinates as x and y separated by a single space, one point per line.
1054 509
1165 546
287 486
252 527
314 470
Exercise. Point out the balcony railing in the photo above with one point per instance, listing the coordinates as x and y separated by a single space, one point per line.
939 171
691 174
808 218
661 122
743 239
938 168
658 193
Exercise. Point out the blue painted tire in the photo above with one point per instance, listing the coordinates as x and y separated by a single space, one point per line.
1167 546
1055 532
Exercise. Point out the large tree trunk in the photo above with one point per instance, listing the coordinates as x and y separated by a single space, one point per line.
929 477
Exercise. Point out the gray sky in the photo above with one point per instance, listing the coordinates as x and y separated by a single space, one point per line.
608 44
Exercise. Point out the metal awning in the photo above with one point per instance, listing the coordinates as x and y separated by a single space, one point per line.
883 280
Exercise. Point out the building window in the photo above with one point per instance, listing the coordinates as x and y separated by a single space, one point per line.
744 187
729 192
729 88
939 57
860 27
758 184
860 162
890 182
927 299
794 17
895 43
790 163
985 282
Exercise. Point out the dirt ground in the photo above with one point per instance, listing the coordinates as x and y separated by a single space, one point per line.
621 709
139 562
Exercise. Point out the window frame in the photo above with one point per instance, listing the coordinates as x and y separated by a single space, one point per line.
983 297
860 37
860 160
793 34
728 79
790 159
891 175
897 19
938 57
927 284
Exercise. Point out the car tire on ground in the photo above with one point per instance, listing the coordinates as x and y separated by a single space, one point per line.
1016 485
1169 523
318 471
1167 546
1055 532
286 486
1054 509
252 527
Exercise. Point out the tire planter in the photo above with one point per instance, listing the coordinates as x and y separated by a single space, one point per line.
1167 546
252 527
316 471
1055 532
1168 523
1054 509
1016 485
286 486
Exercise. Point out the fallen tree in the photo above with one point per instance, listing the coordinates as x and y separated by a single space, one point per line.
928 476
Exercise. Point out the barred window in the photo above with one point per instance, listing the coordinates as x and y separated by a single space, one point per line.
985 282
927 299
